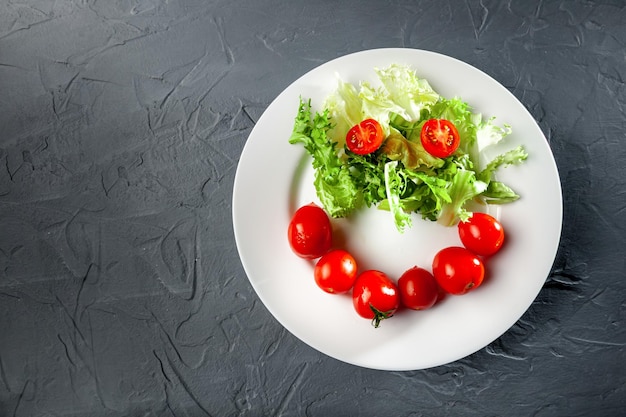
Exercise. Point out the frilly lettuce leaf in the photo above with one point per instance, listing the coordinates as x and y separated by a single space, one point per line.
334 184
411 93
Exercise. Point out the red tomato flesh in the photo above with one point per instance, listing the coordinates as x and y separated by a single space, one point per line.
439 137
310 232
375 296
335 272
457 270
481 234
418 289
365 138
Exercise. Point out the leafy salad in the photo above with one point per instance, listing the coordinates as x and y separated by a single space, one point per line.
375 146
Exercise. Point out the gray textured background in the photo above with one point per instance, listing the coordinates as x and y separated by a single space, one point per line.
121 125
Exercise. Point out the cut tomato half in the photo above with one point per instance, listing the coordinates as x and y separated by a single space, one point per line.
365 138
440 137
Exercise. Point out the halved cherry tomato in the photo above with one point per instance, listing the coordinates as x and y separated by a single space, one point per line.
365 137
418 289
335 272
457 270
375 296
310 232
439 137
481 234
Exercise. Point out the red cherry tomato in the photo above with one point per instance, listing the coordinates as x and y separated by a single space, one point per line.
365 137
457 270
481 234
310 232
418 289
375 296
439 137
335 272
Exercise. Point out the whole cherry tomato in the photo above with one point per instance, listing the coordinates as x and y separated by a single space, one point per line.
335 272
439 137
375 296
457 270
310 232
418 289
481 234
365 137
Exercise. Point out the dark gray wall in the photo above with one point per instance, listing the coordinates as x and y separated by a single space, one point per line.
121 125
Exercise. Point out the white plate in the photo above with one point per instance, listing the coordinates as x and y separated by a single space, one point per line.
274 178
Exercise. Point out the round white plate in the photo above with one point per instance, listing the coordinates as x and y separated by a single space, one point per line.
274 178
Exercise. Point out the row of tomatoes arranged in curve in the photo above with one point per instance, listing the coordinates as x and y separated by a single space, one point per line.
456 270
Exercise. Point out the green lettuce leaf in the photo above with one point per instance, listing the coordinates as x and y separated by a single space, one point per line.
334 185
498 192
513 157
411 93
344 109
463 187
395 185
